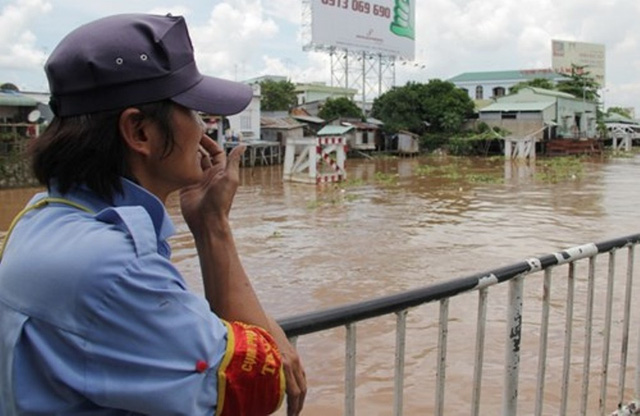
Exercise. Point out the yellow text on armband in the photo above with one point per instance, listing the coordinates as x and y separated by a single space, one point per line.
250 359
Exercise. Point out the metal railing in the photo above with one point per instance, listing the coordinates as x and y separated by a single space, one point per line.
399 304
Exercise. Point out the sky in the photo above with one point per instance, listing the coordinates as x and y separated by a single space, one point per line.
243 39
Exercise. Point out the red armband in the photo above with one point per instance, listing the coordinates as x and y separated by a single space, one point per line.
250 378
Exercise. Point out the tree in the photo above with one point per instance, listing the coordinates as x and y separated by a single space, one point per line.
580 84
277 95
339 107
535 83
618 110
438 105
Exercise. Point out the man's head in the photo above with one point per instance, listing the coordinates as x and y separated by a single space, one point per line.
113 81
133 59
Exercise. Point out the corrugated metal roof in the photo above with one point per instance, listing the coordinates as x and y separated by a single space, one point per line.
15 99
517 75
279 123
334 130
509 107
309 119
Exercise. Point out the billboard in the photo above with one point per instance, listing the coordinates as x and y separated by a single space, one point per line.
589 55
385 27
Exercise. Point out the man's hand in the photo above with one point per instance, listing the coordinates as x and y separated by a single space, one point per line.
211 198
296 387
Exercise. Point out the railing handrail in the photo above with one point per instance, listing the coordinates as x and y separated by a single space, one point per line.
315 321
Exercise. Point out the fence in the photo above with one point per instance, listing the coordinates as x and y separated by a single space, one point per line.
597 319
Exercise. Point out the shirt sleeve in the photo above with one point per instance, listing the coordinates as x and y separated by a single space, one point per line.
152 347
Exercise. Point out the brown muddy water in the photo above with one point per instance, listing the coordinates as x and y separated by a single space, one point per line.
399 224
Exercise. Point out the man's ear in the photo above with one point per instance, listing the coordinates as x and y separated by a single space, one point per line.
135 131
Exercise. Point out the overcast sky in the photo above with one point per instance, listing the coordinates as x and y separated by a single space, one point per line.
241 39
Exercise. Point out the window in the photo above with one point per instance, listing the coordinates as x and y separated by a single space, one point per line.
499 92
245 121
479 92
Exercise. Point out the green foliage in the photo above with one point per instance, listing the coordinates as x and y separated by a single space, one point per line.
556 169
432 141
339 107
535 83
457 171
618 110
277 95
438 107
580 84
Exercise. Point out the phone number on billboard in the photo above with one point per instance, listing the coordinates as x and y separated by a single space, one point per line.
361 6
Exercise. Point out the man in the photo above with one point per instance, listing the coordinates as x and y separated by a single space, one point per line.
94 318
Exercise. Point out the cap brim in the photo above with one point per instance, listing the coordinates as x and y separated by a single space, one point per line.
216 96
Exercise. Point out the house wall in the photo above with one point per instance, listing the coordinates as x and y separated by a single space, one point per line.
576 118
487 87
248 121
408 144
523 125
282 135
358 142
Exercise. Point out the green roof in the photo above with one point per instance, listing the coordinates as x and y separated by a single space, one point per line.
619 118
324 88
330 130
551 93
15 99
517 75
514 107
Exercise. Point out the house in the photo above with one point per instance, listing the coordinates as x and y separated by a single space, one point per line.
338 130
319 91
312 124
621 128
548 113
15 107
366 136
408 143
247 123
483 86
279 129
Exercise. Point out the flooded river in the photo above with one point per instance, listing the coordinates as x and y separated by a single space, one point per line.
398 224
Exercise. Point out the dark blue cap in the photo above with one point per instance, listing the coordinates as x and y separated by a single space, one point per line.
132 59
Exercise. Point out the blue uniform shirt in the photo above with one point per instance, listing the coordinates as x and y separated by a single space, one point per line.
94 318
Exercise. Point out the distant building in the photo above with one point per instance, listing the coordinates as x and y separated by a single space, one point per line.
314 92
548 113
494 84
280 127
247 123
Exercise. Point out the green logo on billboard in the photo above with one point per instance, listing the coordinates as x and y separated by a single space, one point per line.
402 24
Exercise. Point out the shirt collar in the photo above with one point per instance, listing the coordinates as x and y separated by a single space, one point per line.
132 194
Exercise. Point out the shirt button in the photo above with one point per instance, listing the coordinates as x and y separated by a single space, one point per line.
201 366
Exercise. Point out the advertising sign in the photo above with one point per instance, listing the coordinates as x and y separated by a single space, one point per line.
589 55
386 27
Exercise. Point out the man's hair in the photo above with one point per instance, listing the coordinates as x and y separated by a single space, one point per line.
89 150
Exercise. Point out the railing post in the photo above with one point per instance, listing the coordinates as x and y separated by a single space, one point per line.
625 327
442 356
350 371
607 334
588 329
479 357
512 351
568 332
398 386
544 336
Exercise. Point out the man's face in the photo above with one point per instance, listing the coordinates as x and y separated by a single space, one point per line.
183 166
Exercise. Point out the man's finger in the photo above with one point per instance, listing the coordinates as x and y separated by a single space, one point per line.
233 160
